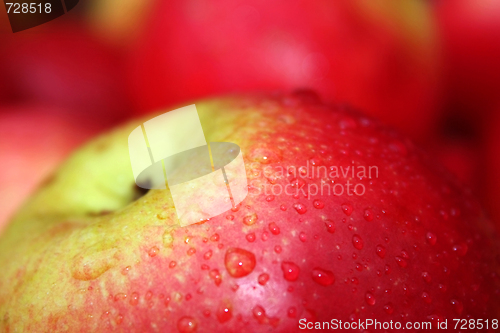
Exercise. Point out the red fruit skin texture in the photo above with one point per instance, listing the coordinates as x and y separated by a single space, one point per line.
349 51
414 247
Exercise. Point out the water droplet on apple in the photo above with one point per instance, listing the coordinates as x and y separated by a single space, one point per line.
300 208
260 314
278 249
323 277
318 204
368 215
315 161
380 250
347 209
389 308
263 278
191 251
426 298
172 264
239 262
427 277
250 219
370 299
457 305
224 312
302 236
273 227
152 252
401 262
298 182
330 226
290 271
270 198
134 299
215 275
250 237
187 325
460 249
215 238
357 242
208 255
431 238
264 156
292 312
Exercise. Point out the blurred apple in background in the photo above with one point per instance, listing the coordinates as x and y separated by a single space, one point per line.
470 35
490 167
33 141
378 56
61 65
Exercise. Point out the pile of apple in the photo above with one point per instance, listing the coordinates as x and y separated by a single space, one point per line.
334 93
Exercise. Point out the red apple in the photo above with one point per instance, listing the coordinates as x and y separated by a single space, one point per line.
490 166
59 64
378 56
403 241
470 34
